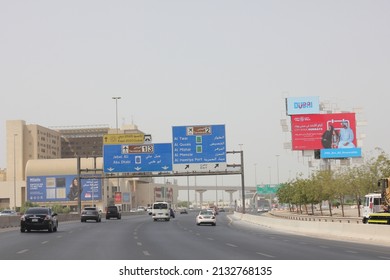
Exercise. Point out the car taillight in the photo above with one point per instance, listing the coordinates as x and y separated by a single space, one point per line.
23 218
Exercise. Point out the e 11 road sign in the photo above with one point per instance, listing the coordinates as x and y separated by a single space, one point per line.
137 158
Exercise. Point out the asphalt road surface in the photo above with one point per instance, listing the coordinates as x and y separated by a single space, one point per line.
139 238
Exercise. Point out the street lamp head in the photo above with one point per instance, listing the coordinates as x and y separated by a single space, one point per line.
116 97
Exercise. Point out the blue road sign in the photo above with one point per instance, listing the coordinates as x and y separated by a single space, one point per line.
201 145
137 158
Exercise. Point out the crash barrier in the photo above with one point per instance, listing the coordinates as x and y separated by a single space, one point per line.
317 227
14 221
325 219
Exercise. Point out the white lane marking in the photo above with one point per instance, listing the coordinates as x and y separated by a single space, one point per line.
209 238
22 251
265 255
44 242
146 253
352 252
231 245
139 243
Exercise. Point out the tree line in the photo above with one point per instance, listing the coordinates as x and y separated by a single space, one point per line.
340 187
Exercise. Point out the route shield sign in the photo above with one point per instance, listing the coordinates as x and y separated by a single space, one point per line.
137 158
199 148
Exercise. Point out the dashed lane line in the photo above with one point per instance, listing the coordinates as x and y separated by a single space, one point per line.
22 251
265 255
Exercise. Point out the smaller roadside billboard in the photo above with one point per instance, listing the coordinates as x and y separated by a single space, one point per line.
62 188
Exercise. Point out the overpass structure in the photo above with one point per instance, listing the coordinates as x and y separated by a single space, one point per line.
200 190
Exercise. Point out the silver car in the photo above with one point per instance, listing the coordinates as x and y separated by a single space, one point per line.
91 213
8 213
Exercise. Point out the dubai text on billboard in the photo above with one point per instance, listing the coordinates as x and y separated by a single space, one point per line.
62 188
323 131
303 105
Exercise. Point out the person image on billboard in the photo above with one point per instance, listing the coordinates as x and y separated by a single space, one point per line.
327 137
335 139
74 190
346 136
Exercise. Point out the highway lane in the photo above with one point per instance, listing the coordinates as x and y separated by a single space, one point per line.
139 238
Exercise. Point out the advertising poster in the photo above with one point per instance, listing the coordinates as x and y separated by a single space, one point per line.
62 188
333 134
303 105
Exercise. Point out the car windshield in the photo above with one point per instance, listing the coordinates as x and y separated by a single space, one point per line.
90 208
206 213
37 211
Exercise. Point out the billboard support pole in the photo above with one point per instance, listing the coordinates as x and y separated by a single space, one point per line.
79 183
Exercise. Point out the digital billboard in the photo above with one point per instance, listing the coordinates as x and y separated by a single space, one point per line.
62 188
303 105
325 131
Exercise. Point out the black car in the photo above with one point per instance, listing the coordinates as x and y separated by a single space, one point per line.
39 218
91 213
113 212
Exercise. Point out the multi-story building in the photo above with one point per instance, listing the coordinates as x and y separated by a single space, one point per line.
26 142
33 150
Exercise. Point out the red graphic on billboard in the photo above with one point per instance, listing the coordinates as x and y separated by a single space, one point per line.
323 131
118 198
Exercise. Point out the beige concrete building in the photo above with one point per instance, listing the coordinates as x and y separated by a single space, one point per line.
35 151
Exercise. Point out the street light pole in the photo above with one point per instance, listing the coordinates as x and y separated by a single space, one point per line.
116 110
255 174
116 98
15 171
277 168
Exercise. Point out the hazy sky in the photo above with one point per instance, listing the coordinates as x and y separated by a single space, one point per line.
196 62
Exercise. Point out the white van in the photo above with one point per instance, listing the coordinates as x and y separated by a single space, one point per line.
160 211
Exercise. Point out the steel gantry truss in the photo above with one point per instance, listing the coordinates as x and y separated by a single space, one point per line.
97 173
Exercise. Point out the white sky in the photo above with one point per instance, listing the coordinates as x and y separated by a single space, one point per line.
196 62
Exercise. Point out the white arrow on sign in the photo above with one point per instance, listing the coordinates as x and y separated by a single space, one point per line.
138 168
110 169
165 167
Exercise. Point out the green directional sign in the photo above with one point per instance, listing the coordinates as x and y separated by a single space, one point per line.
267 189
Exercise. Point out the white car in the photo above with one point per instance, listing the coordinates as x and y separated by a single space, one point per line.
206 217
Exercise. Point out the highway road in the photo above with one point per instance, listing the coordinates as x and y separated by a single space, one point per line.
139 238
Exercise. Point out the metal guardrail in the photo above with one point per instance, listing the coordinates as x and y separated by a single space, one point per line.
313 218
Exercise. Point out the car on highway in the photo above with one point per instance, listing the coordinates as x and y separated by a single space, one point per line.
91 213
113 212
206 217
161 211
183 211
39 218
8 212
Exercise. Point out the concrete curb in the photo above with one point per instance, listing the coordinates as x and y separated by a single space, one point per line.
316 227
